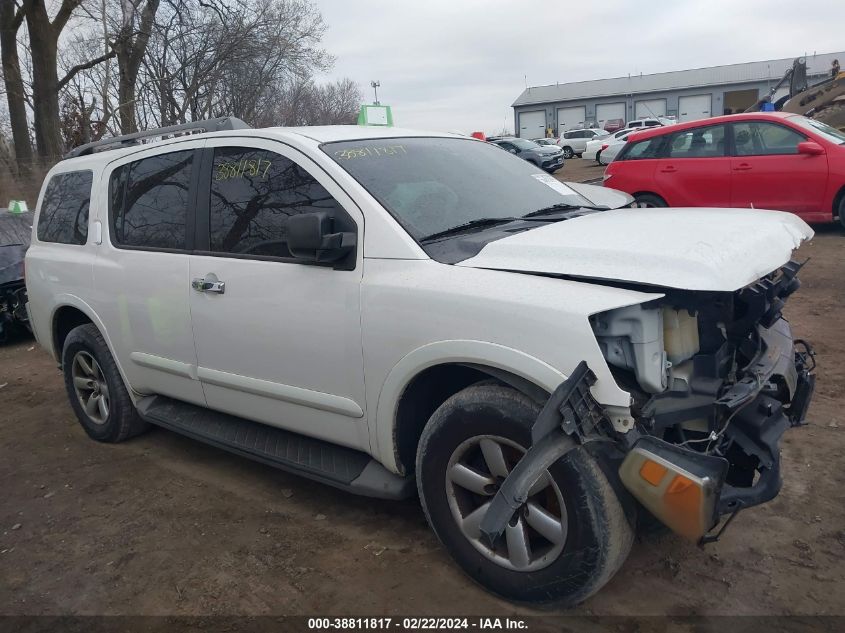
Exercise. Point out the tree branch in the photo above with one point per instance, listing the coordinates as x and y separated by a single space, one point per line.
64 14
80 67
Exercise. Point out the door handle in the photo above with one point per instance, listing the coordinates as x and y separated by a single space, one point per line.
202 285
668 170
742 167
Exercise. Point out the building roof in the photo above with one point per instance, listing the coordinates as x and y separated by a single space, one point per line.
771 70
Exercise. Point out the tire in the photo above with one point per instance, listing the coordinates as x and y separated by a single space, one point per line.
86 360
598 157
842 212
591 537
568 153
649 200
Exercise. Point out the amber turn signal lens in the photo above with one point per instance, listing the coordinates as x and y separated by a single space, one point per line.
653 472
684 504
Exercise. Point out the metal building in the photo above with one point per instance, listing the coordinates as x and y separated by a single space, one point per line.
684 94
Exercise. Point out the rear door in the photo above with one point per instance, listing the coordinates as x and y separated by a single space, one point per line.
769 173
141 282
280 341
695 169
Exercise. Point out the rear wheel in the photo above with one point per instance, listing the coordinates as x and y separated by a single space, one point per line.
563 544
567 152
598 157
95 388
842 211
645 200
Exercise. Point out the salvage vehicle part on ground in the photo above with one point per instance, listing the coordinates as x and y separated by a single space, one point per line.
544 365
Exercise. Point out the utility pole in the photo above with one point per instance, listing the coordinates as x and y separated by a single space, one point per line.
375 84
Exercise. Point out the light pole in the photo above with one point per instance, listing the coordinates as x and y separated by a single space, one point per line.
375 85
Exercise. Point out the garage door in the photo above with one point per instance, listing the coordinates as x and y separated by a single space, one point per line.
694 107
532 124
650 108
608 111
570 119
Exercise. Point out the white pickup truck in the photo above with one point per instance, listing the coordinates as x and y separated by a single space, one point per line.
396 312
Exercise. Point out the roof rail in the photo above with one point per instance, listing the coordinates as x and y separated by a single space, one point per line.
207 125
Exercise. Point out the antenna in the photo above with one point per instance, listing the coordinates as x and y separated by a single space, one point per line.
375 84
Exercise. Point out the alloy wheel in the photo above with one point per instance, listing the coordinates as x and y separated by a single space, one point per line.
536 534
90 386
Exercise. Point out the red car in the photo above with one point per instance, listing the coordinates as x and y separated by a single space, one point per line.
765 160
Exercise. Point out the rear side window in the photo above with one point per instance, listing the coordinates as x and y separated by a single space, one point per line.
650 148
700 142
149 201
64 208
253 193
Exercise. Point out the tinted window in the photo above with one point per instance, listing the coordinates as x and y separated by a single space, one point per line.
64 209
253 192
756 138
700 142
150 201
649 148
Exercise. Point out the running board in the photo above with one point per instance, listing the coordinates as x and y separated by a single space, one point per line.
322 461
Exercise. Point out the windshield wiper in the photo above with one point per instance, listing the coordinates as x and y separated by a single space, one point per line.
563 206
467 226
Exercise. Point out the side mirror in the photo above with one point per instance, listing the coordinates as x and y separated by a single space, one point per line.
810 148
512 151
310 238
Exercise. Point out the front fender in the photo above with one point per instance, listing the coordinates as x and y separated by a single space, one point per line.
482 353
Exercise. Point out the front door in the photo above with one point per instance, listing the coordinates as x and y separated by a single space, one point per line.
278 340
769 173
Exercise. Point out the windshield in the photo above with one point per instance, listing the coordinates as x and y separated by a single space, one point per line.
822 129
431 185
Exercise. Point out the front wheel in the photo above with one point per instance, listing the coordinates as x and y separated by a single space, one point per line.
562 545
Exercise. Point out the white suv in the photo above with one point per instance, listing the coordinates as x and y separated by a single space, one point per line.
396 312
574 142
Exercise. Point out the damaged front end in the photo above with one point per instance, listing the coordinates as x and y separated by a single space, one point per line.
715 378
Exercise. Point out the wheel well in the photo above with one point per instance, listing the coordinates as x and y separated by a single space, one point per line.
837 200
65 320
648 193
431 388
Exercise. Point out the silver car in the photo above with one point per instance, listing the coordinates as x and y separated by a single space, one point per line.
547 157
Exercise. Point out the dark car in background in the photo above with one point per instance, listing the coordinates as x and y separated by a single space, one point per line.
546 157
15 230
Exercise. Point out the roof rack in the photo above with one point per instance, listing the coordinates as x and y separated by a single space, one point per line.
208 125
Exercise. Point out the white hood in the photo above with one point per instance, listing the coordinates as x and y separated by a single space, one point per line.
691 249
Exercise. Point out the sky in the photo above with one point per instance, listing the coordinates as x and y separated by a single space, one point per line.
458 65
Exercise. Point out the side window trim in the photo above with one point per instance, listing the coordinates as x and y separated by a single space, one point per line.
190 220
202 239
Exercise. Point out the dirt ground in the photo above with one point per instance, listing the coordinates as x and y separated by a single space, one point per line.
164 525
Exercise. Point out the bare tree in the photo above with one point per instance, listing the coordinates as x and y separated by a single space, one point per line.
11 18
131 45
